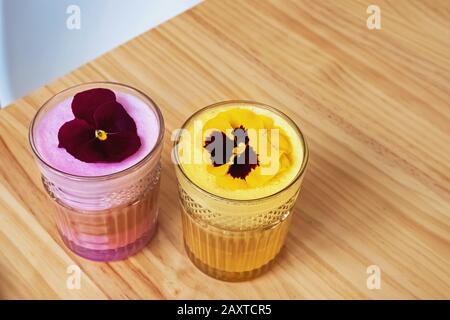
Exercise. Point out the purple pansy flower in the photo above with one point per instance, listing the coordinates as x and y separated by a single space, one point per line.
102 130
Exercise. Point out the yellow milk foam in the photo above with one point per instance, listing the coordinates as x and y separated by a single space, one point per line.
199 174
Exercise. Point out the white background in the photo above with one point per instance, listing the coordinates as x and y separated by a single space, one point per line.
36 46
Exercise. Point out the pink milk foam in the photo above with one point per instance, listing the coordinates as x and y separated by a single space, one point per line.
47 138
96 228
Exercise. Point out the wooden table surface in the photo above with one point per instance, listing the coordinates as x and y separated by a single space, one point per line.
374 105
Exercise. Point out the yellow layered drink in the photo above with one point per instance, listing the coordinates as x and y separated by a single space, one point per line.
239 167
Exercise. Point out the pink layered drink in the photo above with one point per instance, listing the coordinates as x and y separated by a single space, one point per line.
104 210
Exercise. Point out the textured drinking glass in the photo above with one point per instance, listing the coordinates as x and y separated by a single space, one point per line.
236 240
108 217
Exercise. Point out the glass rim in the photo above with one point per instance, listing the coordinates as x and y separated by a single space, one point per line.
299 174
117 174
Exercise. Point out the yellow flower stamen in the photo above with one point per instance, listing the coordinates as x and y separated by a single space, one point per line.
239 149
101 135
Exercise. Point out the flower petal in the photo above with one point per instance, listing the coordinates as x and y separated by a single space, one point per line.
113 118
75 132
90 151
240 136
78 138
243 163
119 146
218 170
246 118
228 182
221 122
220 147
84 104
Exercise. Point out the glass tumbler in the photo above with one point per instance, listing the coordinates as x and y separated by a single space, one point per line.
109 217
236 240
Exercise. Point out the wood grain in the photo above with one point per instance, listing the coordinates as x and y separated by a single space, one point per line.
374 105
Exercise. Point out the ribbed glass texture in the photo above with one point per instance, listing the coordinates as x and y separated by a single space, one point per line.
109 217
236 240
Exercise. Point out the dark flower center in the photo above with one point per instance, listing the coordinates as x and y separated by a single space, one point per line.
223 150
